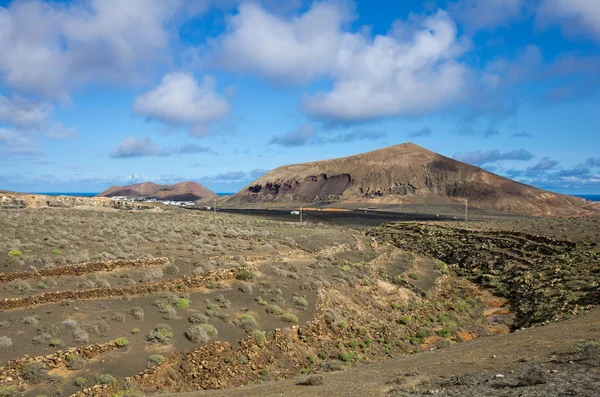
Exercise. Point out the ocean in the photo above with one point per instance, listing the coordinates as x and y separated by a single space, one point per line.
590 197
91 194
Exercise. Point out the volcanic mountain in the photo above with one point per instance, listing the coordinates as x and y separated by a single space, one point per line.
405 173
183 191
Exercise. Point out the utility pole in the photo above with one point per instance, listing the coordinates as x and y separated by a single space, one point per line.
215 206
466 210
300 214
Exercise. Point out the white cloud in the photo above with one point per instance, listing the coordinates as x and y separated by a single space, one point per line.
180 100
144 147
47 48
486 14
491 156
576 16
22 113
293 50
414 69
298 137
13 143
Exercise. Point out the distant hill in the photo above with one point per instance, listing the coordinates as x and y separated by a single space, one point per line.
404 174
183 191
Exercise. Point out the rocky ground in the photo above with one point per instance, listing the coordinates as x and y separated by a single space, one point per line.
107 301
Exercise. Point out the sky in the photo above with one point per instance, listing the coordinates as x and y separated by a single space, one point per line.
97 93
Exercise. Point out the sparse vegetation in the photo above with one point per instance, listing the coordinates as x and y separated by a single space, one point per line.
74 362
248 322
155 359
182 303
121 342
244 275
106 379
162 333
289 318
34 373
259 337
80 381
200 333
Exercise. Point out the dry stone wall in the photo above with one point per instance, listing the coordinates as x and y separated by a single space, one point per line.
84 268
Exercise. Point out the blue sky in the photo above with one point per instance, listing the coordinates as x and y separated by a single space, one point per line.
101 92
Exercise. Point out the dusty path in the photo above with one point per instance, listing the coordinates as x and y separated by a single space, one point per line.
498 353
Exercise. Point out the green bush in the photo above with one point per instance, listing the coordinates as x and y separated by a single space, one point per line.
200 333
55 342
248 322
15 253
56 252
162 333
289 318
74 362
106 379
34 373
274 310
155 359
135 331
80 381
444 333
182 303
244 275
8 391
344 357
41 285
345 268
414 276
259 337
300 302
121 342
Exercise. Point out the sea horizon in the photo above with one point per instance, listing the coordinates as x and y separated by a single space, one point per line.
589 197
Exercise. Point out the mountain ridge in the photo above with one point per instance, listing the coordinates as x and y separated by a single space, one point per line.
182 191
405 174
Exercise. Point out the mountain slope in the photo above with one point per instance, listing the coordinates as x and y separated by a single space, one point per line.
405 173
183 191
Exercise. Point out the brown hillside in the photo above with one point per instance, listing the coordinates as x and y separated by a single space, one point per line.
405 173
183 191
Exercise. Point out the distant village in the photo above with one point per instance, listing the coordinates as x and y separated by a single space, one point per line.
153 200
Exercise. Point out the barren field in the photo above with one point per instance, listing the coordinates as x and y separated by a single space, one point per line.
109 302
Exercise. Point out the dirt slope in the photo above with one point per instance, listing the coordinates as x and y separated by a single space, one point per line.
183 191
547 347
402 174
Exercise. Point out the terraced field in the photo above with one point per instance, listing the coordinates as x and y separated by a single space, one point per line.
104 302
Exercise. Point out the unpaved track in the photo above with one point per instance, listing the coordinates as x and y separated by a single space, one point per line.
533 345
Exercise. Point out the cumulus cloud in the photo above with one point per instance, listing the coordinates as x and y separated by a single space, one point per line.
593 162
22 113
299 137
257 173
179 100
47 48
236 176
575 16
60 132
545 164
491 156
290 50
355 135
486 14
414 69
425 131
307 135
13 143
144 147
